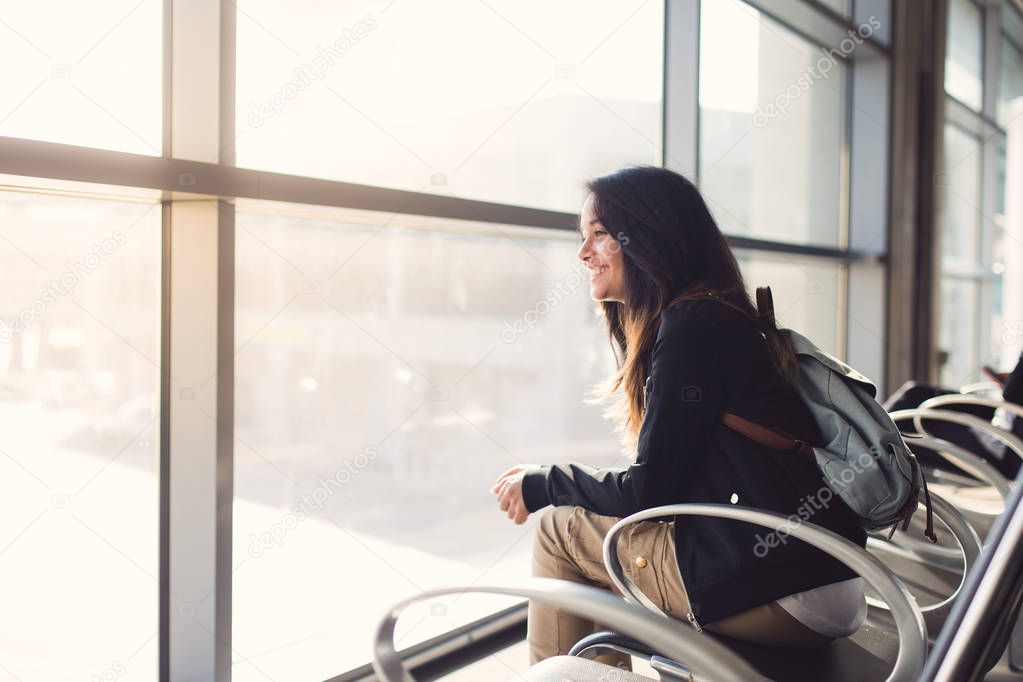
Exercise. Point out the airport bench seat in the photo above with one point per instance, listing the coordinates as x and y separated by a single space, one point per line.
901 655
867 655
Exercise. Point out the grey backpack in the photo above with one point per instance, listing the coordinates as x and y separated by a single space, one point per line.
863 458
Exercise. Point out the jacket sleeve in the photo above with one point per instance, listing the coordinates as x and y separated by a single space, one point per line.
685 399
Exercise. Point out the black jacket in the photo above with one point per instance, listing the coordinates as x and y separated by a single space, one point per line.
709 359
1013 393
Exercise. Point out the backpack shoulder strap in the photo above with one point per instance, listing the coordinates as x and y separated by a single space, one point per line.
772 438
708 295
765 303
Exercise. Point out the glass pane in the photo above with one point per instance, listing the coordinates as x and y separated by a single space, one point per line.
843 7
79 401
1010 86
808 294
359 91
964 56
1003 334
389 368
88 74
959 331
772 128
959 181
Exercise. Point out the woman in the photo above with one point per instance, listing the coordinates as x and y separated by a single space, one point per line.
684 358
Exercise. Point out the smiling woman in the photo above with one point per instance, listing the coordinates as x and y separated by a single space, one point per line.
682 364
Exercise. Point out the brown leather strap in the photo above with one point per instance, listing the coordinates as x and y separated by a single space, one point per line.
707 294
765 436
765 303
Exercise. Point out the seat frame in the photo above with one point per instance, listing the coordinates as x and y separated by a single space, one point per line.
674 639
963 533
908 619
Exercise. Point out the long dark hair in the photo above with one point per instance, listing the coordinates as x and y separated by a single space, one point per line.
671 250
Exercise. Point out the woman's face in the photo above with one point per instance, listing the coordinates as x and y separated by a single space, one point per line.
602 255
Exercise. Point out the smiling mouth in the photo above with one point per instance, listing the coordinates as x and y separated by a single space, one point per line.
595 271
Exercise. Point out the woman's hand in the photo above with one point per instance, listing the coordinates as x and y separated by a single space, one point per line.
508 489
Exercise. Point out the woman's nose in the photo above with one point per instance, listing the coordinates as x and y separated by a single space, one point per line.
585 252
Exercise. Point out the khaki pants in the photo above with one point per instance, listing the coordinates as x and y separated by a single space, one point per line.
568 546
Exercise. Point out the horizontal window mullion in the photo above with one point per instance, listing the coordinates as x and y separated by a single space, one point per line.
84 164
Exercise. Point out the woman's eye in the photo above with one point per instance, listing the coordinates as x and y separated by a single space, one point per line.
599 233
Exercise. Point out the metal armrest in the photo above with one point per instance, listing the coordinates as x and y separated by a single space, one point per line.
918 415
590 645
940 401
963 533
981 387
909 621
969 462
607 640
669 636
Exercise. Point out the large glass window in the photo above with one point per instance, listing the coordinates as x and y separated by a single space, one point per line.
960 184
772 127
980 230
520 109
1007 260
83 73
959 328
389 369
79 404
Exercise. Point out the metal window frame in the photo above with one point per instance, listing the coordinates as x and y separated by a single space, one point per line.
982 125
197 348
820 25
